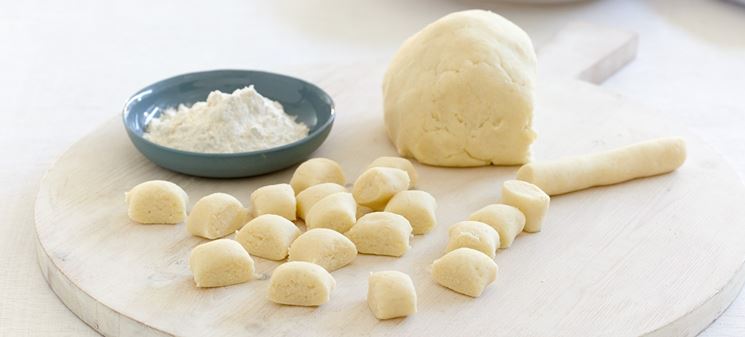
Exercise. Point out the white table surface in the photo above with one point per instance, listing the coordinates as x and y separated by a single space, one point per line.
65 67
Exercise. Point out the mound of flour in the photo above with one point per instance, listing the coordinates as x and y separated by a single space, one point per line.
226 123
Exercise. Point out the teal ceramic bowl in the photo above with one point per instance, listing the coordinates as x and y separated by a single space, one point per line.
311 106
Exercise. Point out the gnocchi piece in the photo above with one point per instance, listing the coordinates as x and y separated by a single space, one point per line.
336 211
530 199
508 220
391 294
475 235
399 163
324 247
381 233
156 202
276 199
377 185
220 263
316 171
300 283
215 216
465 270
268 236
311 195
416 206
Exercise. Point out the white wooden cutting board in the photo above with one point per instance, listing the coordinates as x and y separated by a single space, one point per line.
661 256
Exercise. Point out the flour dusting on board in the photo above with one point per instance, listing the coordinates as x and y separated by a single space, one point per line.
226 123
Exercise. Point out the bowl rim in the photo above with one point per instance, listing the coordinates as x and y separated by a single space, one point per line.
148 89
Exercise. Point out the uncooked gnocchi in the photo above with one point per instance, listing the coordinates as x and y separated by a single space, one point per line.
220 263
475 235
316 171
381 233
215 216
336 211
508 220
530 199
156 202
465 270
391 294
399 163
416 206
276 199
268 236
324 247
311 195
300 283
377 185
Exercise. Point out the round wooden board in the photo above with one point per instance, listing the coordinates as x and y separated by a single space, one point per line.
660 256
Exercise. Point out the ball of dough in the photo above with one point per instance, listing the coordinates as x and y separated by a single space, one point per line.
300 283
377 185
381 233
276 199
215 216
465 270
156 202
316 171
460 92
530 199
220 263
335 211
416 206
475 235
311 195
268 236
507 220
399 163
391 294
324 247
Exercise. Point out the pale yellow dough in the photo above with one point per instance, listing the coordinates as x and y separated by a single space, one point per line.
399 163
465 270
324 247
311 195
268 236
220 263
156 202
508 220
215 216
475 235
381 233
391 294
276 199
336 211
460 92
300 283
416 206
316 171
531 201
377 185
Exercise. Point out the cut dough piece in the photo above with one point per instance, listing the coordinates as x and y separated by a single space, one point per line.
381 233
311 195
508 220
529 199
316 171
391 294
215 216
335 211
460 92
416 206
300 283
220 263
156 202
276 199
638 160
475 235
377 185
324 247
268 236
399 163
465 270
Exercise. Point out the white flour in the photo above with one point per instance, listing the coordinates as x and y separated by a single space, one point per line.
226 123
